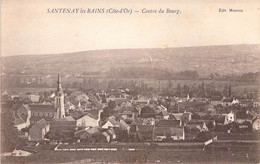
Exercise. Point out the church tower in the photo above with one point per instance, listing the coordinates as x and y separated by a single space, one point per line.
59 100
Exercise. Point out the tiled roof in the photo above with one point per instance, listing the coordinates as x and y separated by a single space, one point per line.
112 120
37 118
88 114
42 108
93 113
176 116
18 120
93 130
16 107
76 114
168 123
41 123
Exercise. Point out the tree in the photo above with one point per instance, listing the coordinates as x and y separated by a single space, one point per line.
186 89
203 89
122 136
106 113
9 134
225 91
179 90
229 91
111 104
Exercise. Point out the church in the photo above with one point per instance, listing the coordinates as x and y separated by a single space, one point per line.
49 112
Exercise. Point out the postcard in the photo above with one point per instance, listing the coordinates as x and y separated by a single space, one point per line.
139 81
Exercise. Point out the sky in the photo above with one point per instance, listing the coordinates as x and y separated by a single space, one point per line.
27 28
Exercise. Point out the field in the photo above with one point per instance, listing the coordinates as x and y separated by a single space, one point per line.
164 156
215 153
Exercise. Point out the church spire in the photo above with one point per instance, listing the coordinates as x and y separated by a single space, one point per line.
59 100
59 84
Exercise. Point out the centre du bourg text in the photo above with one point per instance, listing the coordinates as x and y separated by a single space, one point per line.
111 11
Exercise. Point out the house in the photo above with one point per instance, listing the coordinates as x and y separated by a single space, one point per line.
78 133
24 111
147 112
115 95
87 120
235 102
168 130
20 123
141 100
129 111
39 111
110 123
183 117
169 133
38 130
123 125
89 134
107 136
161 112
175 116
256 124
229 118
22 115
112 134
162 115
160 108
63 126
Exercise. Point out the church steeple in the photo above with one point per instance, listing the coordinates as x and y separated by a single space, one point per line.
59 99
59 84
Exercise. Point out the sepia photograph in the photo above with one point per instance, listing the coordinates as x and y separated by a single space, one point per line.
140 81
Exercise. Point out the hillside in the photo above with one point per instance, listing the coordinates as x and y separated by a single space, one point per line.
207 59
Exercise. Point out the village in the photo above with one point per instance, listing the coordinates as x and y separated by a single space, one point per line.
116 116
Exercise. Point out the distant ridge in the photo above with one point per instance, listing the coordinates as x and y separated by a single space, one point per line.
91 51
225 59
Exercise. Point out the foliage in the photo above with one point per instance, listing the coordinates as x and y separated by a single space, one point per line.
122 136
111 104
106 113
9 134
